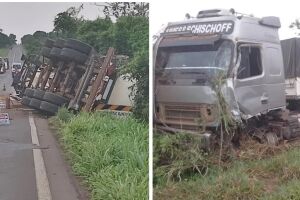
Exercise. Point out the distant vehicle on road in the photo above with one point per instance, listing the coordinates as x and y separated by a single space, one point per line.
6 63
2 66
15 69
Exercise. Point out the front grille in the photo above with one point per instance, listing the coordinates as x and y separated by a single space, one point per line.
188 114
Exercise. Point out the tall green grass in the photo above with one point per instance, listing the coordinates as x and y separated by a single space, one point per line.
272 177
109 152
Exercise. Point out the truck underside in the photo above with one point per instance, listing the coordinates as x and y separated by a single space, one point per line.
72 74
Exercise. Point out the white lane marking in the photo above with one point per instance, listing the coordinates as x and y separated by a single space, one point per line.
42 183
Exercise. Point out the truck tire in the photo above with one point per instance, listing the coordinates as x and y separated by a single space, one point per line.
55 53
38 94
73 55
29 92
32 58
48 107
55 99
35 59
46 52
49 43
35 103
59 43
78 45
25 100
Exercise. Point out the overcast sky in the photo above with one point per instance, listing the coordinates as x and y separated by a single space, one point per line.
26 18
163 12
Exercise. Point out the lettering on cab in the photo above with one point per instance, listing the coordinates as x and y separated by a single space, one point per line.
223 27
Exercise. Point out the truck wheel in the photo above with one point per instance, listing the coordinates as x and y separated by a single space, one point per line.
29 92
25 100
73 55
35 103
46 52
59 43
38 94
48 107
55 99
78 45
31 58
55 53
49 43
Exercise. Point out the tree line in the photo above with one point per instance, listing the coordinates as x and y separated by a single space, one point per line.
7 40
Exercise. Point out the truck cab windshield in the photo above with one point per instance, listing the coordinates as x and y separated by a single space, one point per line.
201 56
196 63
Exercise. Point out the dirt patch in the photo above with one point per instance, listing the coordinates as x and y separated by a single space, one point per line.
251 149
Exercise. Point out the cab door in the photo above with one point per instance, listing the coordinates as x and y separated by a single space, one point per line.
249 81
275 77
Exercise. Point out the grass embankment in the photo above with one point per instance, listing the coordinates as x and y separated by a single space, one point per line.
256 171
109 152
3 52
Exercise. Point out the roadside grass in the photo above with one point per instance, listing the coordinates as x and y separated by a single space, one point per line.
3 52
110 153
276 176
176 156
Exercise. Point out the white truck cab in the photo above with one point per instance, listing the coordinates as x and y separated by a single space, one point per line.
189 55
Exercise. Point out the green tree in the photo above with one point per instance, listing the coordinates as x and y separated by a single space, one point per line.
296 25
119 9
66 23
32 43
40 35
98 33
12 38
4 40
132 39
138 70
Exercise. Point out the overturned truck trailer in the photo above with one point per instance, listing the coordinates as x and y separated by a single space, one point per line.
190 55
72 74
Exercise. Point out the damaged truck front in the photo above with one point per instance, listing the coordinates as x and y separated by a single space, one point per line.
190 55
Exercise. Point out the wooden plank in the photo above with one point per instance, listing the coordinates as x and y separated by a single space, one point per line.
98 84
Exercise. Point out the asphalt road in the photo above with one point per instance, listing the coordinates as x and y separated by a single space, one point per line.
32 168
14 56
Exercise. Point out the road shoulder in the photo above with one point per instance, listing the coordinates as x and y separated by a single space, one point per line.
63 184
